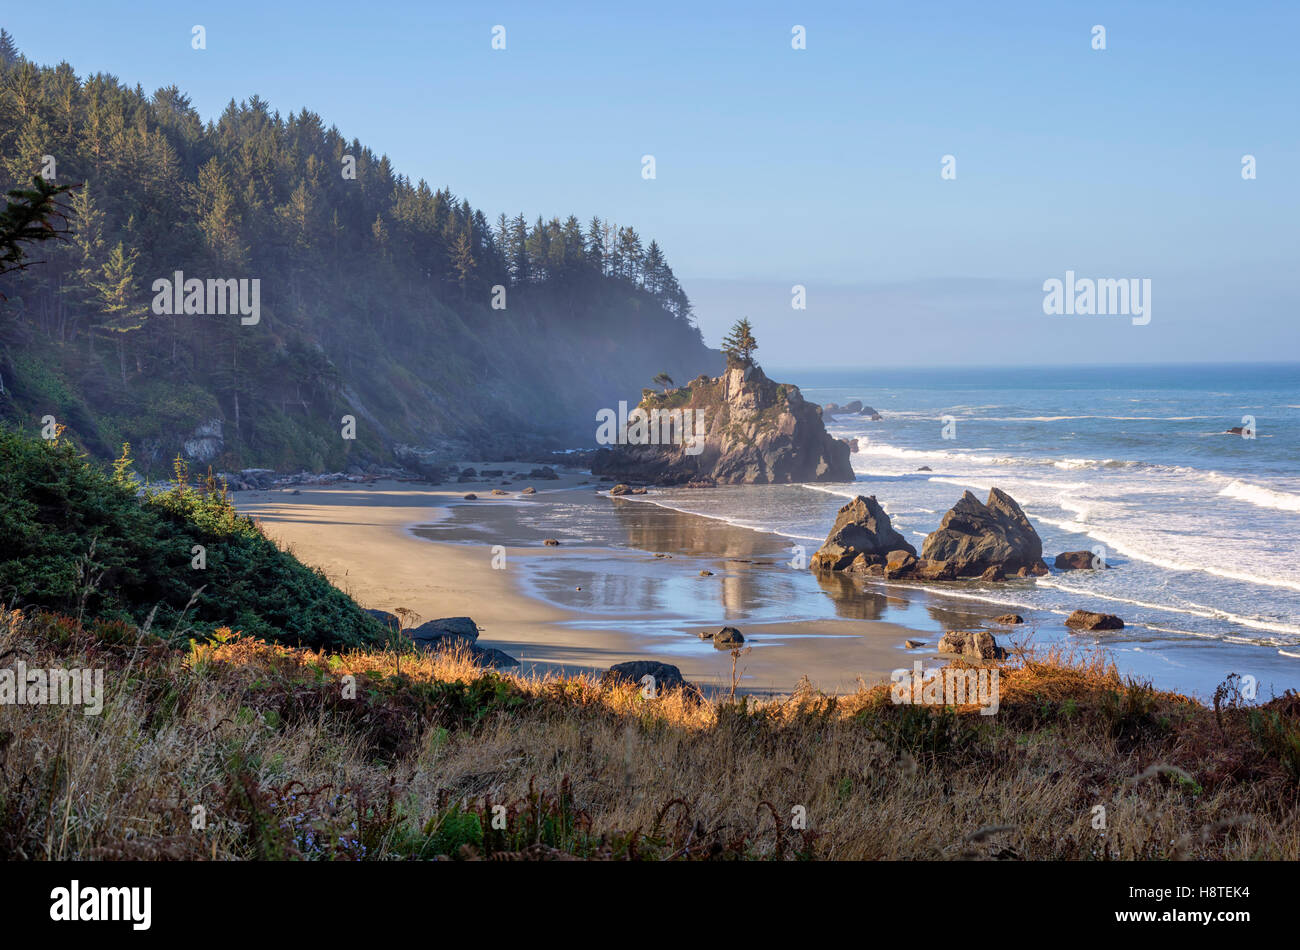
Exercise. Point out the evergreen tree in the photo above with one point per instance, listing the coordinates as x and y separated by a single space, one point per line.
739 344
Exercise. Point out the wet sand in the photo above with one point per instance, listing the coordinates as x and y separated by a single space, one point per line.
373 541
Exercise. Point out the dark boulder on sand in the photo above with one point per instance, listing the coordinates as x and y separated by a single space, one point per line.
383 616
724 638
973 537
447 630
861 529
1088 620
666 675
976 644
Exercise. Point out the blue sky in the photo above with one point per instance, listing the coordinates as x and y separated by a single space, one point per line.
820 166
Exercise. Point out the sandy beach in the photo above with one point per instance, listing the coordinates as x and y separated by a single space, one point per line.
373 541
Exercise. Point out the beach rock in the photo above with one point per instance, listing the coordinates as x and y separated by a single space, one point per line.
391 621
724 638
530 490
853 446
899 562
1009 619
448 631
471 497
913 644
977 644
744 429
705 482
638 491
869 413
500 491
545 474
852 407
973 537
830 408
1078 561
490 656
861 527
993 574
666 675
492 472
706 573
621 489
925 468
551 543
1087 620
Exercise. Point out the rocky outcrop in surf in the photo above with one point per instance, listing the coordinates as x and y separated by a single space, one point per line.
989 541
862 537
737 428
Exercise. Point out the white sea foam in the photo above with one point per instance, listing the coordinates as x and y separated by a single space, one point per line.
1262 497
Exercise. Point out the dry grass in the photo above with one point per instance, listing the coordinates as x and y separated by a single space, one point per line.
283 763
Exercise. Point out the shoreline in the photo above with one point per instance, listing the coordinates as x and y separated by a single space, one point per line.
369 541
623 585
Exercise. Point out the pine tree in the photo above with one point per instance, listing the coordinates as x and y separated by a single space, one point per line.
739 344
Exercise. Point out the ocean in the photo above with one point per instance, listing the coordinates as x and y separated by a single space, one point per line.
1201 529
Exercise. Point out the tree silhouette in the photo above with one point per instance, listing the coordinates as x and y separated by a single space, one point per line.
739 344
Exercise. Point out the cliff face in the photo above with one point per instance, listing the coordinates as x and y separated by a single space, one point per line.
742 428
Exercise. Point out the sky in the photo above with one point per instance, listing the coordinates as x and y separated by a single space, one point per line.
818 167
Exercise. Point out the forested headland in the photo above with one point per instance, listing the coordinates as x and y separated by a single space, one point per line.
376 292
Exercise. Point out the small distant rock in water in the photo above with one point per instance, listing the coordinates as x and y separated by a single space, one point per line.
663 555
544 474
913 644
1009 619
1088 620
869 413
727 637
551 543
706 573
706 634
621 489
978 644
296 491
500 491
638 491
1078 561
853 446
1235 430
666 675
471 497
530 490
706 482
925 468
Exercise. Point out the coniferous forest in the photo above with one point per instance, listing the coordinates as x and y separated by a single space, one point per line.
376 292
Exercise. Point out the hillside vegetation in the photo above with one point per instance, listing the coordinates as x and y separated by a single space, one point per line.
375 291
179 562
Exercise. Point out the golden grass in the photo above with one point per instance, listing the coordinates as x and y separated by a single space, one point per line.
283 762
